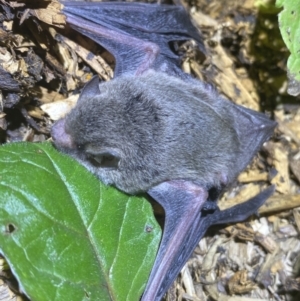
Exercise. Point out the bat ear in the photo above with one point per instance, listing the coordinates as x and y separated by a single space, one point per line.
90 89
104 157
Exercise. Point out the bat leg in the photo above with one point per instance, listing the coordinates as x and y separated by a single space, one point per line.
240 212
182 202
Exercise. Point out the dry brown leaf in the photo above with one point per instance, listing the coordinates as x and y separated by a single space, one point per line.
277 203
51 15
240 284
253 175
266 242
296 213
97 63
45 95
266 274
295 166
58 109
248 191
188 282
35 112
241 231
281 164
229 82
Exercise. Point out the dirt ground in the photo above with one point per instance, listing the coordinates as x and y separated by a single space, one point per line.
246 60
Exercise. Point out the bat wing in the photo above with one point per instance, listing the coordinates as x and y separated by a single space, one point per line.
185 225
137 34
253 129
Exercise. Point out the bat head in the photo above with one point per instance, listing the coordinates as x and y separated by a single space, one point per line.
110 131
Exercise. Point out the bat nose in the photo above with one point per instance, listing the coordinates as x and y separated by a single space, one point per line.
59 135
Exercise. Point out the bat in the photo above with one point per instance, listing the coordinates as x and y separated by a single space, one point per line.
155 129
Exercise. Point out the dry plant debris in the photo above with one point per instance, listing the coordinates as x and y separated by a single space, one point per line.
44 64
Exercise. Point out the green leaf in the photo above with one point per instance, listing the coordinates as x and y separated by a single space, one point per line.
65 235
289 23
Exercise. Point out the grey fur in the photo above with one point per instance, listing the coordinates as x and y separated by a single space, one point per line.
162 128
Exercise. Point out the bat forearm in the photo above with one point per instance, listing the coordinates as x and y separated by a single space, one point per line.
182 202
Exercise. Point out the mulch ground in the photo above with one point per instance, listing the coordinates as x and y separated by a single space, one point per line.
43 67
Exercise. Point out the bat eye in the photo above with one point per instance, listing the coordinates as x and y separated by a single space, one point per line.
104 159
95 160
